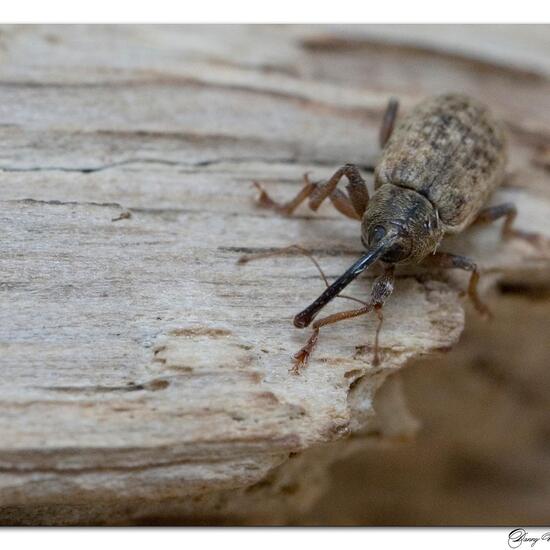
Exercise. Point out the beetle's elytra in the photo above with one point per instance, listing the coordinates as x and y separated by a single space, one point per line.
452 152
437 169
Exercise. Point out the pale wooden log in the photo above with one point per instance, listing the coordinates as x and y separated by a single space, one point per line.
140 362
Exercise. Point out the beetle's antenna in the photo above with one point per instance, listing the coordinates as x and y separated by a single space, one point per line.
304 318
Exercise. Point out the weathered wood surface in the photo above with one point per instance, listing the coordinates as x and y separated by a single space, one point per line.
140 362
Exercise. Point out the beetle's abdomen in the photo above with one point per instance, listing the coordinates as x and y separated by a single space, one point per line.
451 150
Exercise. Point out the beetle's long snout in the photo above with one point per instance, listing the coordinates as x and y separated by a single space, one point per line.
305 317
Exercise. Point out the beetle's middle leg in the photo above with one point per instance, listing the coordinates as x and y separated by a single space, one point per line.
445 260
381 290
509 212
352 206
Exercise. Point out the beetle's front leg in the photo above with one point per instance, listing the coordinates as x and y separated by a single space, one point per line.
381 290
353 206
356 188
285 208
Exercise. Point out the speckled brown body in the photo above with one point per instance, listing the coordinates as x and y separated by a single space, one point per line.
451 152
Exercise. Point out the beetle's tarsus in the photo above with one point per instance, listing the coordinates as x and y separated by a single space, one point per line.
301 357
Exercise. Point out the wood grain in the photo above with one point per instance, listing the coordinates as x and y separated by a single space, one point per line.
140 362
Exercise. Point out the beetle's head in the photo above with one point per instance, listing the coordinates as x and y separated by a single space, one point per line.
399 226
406 214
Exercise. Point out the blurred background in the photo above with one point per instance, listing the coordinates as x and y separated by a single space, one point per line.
482 452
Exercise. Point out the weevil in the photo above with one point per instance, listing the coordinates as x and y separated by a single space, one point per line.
438 167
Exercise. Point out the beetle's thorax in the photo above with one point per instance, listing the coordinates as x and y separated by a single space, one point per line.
409 214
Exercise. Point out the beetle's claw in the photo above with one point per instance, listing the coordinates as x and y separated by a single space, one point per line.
300 361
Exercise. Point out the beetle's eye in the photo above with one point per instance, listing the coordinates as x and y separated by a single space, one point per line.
375 234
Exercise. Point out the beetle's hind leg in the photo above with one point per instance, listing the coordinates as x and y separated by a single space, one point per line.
444 260
381 290
509 212
388 122
353 206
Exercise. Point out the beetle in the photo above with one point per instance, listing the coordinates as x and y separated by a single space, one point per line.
437 168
